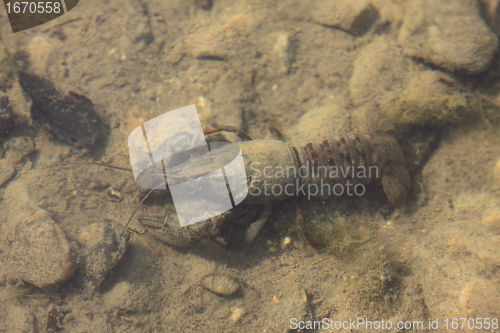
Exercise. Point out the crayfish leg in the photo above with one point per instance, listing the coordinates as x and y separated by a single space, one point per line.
158 228
224 134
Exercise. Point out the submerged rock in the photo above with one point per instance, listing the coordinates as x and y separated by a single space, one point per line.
105 244
319 122
407 94
430 98
449 34
379 68
40 253
205 4
355 17
222 285
71 117
458 266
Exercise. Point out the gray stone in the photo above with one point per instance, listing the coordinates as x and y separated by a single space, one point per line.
105 244
355 17
391 90
449 34
222 285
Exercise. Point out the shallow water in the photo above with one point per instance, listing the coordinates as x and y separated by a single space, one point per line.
423 71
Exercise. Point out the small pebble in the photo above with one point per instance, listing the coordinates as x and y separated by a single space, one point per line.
237 313
286 243
277 298
114 195
222 312
222 285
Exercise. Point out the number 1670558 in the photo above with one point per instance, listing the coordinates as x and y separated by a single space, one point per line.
33 7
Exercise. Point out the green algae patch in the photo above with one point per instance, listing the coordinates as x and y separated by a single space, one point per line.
375 274
372 271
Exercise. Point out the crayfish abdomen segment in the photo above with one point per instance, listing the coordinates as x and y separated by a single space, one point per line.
276 170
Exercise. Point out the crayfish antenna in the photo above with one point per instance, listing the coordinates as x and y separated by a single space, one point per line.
138 206
140 203
110 166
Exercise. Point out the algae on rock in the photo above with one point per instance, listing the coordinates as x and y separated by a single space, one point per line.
371 269
431 99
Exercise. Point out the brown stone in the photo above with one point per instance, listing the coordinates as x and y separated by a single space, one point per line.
40 253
